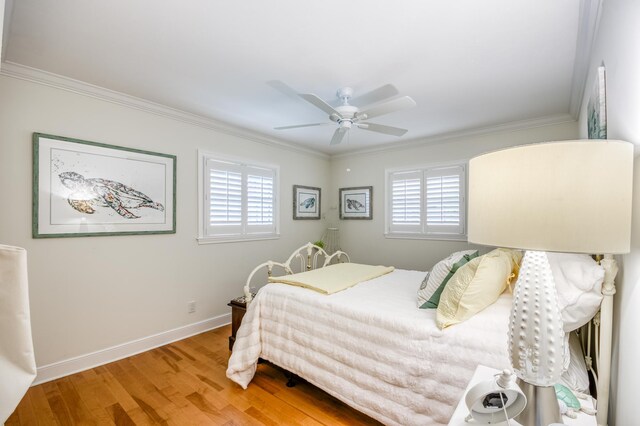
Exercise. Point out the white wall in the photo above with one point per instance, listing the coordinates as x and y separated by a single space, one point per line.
90 293
617 44
364 239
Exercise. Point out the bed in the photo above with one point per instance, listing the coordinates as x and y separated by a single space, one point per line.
369 346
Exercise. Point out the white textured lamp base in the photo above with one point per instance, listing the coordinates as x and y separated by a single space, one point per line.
536 335
536 339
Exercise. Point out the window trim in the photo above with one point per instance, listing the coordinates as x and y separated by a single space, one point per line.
422 234
202 237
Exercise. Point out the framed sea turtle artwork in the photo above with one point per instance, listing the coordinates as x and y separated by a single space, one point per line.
355 203
597 107
306 202
83 189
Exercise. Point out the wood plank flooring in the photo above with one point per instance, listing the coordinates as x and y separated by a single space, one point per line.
182 383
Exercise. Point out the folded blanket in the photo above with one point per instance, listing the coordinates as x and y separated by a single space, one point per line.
333 278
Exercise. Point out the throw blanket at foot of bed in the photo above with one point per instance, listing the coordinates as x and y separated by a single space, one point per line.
333 278
371 347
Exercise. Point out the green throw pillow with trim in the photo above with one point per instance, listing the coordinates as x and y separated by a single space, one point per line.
433 302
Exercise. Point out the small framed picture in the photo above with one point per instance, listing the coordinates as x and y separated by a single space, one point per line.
355 203
306 202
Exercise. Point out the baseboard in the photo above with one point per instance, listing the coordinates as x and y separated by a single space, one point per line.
69 366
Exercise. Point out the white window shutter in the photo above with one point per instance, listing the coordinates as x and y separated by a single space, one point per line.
224 198
260 200
239 200
405 202
444 200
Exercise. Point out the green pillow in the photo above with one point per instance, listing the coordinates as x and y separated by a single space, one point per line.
432 303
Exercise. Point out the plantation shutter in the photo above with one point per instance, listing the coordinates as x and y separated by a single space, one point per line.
444 200
239 199
260 200
224 198
406 201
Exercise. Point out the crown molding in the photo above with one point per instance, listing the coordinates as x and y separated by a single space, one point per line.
433 140
588 21
23 72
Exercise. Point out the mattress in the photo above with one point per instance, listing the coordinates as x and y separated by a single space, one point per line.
371 347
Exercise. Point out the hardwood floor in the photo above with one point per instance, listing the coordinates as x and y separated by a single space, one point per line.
183 383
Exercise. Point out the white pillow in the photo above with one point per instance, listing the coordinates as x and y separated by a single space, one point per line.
437 274
576 377
578 280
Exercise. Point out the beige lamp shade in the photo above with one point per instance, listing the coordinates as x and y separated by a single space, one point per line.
569 196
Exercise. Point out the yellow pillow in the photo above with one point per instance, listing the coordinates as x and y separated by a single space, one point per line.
477 285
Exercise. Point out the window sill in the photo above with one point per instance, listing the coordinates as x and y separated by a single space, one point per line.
236 239
433 237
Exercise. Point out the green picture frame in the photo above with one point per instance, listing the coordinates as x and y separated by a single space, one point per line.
90 189
597 107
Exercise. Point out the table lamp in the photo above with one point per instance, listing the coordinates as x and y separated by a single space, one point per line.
567 196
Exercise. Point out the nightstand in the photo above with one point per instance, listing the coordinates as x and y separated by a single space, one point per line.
485 373
238 309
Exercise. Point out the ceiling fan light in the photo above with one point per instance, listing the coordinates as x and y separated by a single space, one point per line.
381 101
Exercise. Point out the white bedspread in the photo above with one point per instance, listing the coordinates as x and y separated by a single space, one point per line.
370 347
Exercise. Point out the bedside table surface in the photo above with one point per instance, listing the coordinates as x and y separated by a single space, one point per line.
483 373
238 309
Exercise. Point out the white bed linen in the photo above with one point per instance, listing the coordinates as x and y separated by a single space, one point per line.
370 347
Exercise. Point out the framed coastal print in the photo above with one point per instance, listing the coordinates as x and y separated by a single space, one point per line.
597 107
355 203
83 189
306 202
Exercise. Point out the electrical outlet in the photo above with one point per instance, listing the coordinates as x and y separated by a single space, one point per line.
191 306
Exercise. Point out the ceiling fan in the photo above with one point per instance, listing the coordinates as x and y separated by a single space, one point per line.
347 115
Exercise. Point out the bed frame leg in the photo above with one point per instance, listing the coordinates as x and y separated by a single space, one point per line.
293 379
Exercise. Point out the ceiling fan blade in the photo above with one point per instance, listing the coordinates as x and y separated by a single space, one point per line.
338 135
302 125
387 107
377 95
318 103
381 128
283 88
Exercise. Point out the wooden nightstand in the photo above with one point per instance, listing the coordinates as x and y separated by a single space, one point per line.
238 309
486 373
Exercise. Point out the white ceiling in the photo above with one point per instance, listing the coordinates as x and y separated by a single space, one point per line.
468 64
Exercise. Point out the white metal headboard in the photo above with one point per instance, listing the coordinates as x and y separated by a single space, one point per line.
597 354
308 256
595 339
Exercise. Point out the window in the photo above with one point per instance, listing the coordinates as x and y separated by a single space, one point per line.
427 202
238 200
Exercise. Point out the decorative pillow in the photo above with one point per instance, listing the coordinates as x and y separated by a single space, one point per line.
576 377
578 280
429 295
477 285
